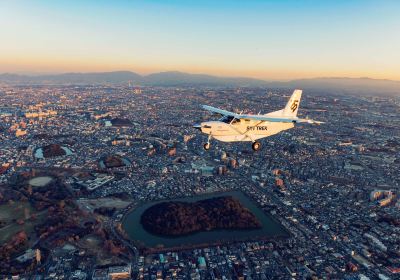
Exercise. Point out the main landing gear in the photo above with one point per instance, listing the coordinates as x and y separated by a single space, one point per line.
207 145
256 146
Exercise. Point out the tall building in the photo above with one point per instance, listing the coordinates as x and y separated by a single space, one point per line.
38 256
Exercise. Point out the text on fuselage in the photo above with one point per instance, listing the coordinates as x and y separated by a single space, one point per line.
256 128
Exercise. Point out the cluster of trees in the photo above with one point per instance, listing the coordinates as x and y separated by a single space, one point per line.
53 150
105 211
120 122
115 247
64 222
63 225
112 247
46 196
389 219
113 161
16 244
7 195
178 218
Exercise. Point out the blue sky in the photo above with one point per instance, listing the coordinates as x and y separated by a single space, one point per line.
264 39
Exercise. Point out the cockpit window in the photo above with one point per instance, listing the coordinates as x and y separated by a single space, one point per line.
229 119
226 119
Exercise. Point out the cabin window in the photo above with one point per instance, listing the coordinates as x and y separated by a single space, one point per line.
229 119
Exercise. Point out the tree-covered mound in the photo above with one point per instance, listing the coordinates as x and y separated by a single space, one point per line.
179 218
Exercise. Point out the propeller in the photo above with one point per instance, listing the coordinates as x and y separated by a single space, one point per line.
197 126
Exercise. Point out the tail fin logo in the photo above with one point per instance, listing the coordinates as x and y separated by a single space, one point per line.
294 105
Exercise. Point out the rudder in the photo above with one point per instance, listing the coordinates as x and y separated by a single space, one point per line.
293 104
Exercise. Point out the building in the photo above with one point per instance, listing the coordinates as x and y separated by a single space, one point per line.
383 197
202 263
20 132
28 255
38 256
30 115
100 274
119 272
137 91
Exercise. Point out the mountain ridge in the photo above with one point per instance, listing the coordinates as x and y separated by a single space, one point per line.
175 78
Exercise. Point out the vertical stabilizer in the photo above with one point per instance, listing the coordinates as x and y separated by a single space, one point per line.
293 104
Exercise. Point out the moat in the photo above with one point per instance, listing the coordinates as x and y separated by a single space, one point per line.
265 228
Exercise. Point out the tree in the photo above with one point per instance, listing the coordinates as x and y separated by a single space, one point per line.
29 190
61 204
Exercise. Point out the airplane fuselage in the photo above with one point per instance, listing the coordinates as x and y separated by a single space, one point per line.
243 129
234 127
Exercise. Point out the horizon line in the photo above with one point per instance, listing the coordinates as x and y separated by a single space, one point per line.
56 73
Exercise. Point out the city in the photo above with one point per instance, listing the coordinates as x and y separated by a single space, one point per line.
215 140
77 160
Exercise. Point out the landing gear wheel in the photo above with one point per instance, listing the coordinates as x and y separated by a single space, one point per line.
256 146
206 146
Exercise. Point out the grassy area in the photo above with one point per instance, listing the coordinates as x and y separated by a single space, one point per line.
10 213
40 181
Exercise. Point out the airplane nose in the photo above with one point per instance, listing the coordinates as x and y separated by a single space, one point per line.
197 126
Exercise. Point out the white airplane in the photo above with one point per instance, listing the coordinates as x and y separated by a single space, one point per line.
234 127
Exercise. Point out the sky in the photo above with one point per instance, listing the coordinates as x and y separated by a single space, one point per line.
271 40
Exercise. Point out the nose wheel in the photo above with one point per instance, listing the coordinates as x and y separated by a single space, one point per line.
256 146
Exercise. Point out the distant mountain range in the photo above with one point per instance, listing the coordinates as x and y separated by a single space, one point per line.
124 77
353 85
365 86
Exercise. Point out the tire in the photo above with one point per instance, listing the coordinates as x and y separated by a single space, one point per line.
256 146
206 146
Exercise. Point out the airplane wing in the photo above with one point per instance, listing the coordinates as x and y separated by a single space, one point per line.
278 119
219 111
309 121
281 119
266 119
259 117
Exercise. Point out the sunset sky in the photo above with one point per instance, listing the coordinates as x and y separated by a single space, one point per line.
272 40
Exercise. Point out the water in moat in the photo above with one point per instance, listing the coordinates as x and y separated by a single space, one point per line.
270 228
39 152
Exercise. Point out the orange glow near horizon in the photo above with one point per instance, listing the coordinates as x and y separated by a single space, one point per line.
36 65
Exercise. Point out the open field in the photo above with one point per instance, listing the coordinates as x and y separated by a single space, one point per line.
41 181
91 204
